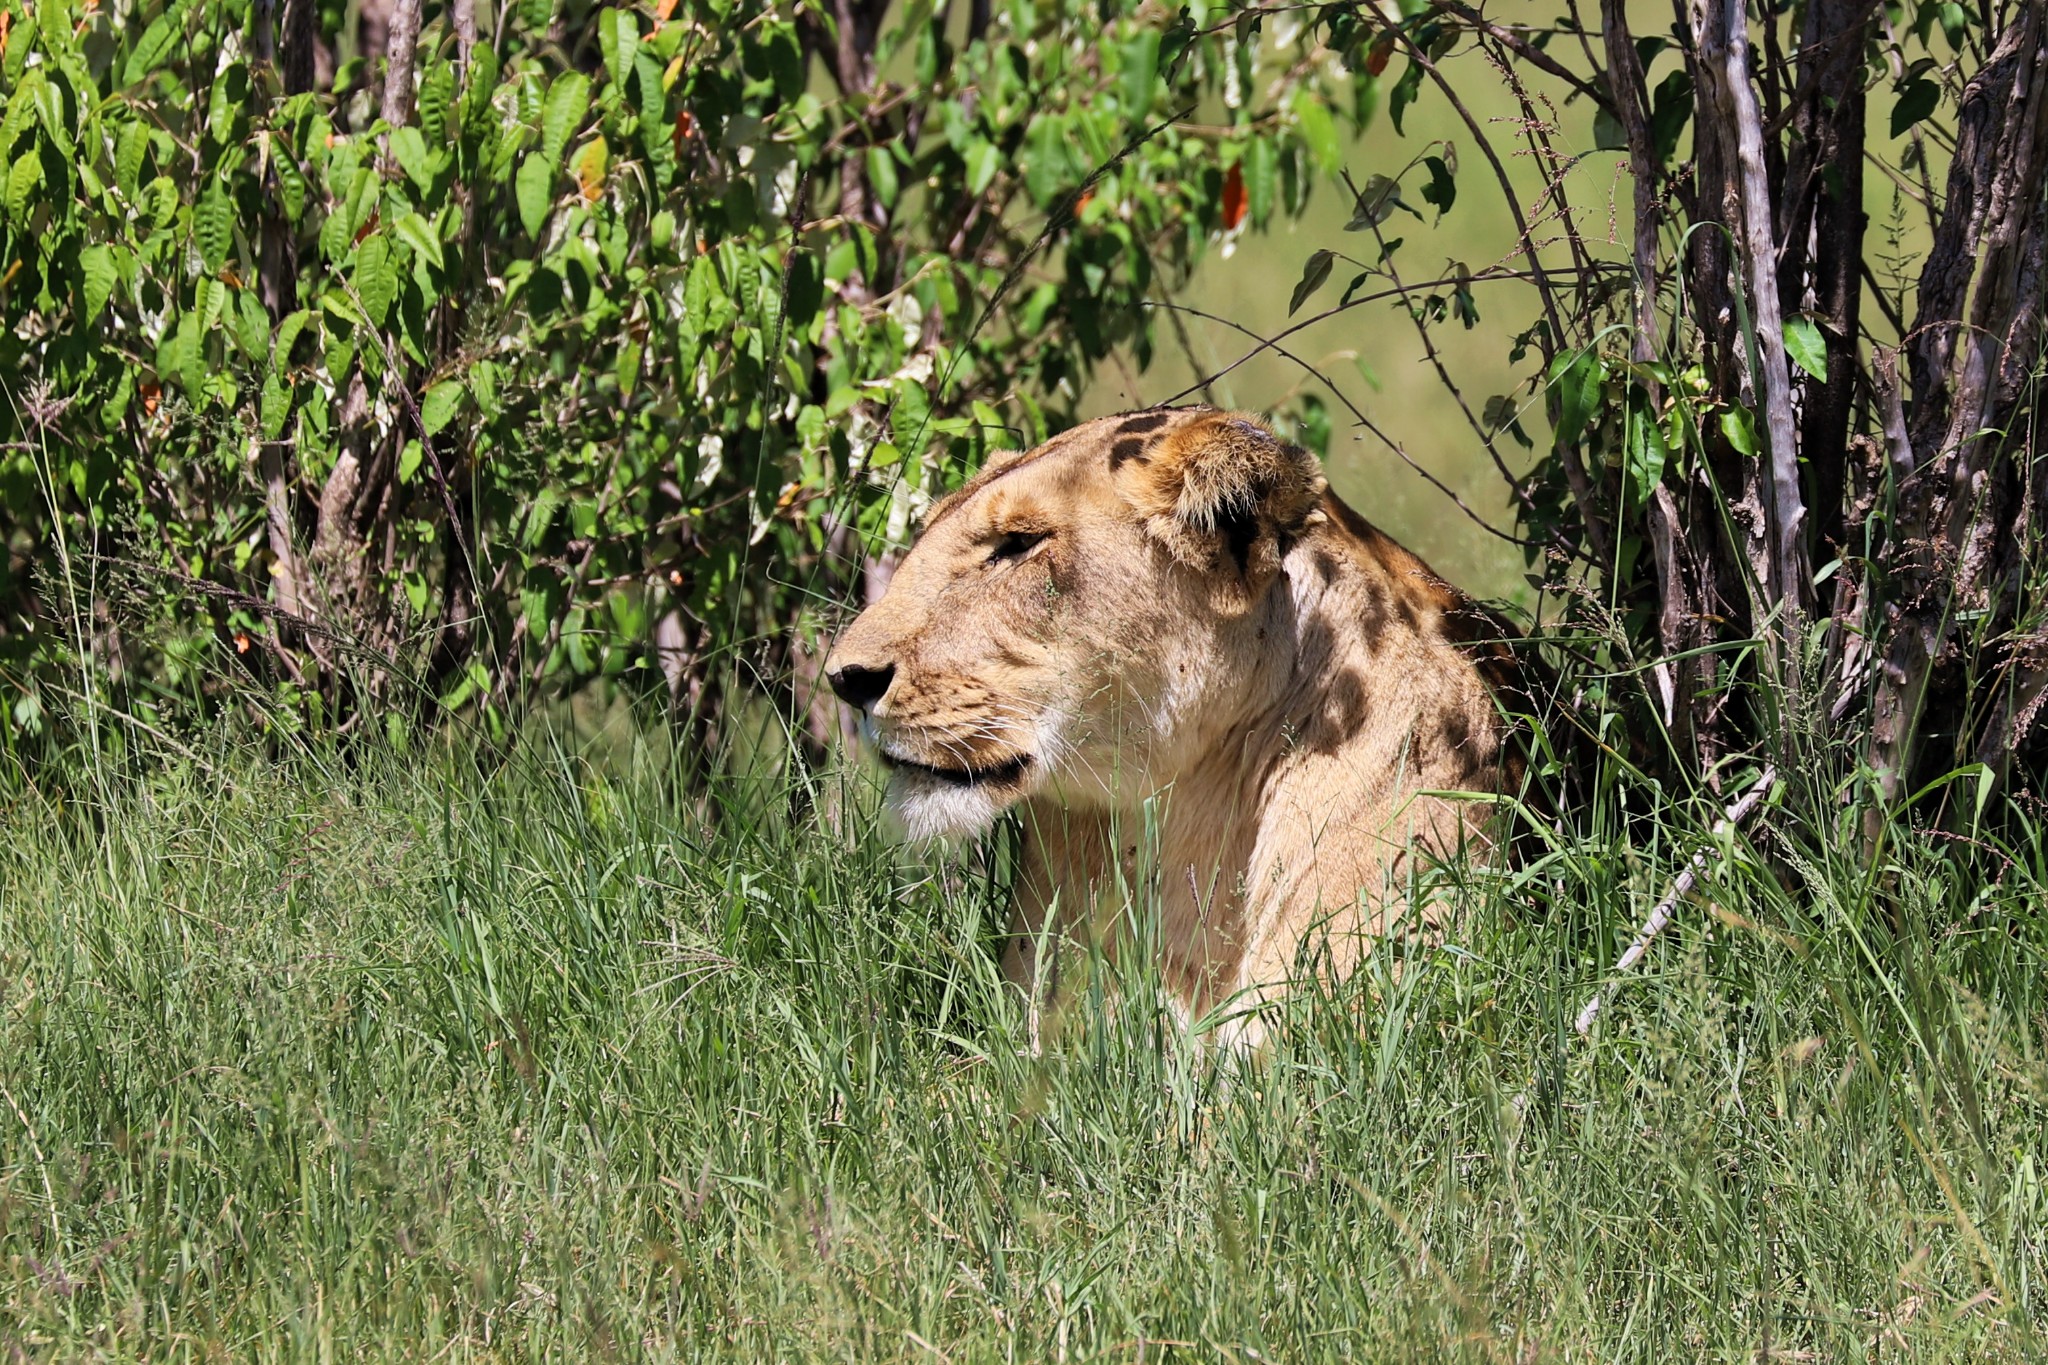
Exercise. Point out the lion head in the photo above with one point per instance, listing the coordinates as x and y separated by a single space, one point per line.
1079 620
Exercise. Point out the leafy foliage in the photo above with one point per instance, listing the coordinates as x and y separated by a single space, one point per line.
591 358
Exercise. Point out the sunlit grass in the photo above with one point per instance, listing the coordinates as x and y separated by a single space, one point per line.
559 1059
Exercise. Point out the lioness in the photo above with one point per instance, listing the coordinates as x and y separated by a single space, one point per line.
1171 607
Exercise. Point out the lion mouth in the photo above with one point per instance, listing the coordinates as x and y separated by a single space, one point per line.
995 774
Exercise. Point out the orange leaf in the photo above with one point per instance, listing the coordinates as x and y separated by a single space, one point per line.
6 22
684 125
151 392
1377 56
1233 198
591 168
663 10
1083 202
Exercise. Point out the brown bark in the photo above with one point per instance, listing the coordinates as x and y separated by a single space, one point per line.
1968 380
401 55
1820 237
1678 613
462 18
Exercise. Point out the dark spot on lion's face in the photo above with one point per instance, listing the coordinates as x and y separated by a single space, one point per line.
1472 766
1457 726
1126 448
1407 611
1343 714
1374 616
1326 566
1150 421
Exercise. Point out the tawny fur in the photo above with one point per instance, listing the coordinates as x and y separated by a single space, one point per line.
1203 643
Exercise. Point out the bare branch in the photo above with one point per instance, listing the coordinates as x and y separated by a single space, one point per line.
1720 31
1682 887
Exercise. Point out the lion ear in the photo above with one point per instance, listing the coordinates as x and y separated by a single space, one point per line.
1224 490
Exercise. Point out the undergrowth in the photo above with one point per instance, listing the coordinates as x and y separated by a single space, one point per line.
562 1057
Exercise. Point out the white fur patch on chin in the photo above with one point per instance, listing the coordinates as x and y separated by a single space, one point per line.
923 808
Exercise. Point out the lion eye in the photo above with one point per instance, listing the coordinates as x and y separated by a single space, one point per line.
1014 545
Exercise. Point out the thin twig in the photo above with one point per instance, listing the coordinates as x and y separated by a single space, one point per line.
1487 276
1680 888
1359 415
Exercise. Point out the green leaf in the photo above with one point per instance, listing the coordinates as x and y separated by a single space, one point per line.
148 53
1575 376
1318 131
1141 71
436 101
417 594
1916 101
1740 430
363 200
181 358
417 233
655 128
288 333
1608 134
785 61
1955 26
291 181
1376 203
881 165
227 98
534 188
161 200
1807 347
440 405
21 109
1405 91
21 183
618 36
277 406
1046 166
483 386
1671 111
1261 174
335 235
568 100
376 277
1442 190
1312 276
1647 452
409 460
984 159
49 98
96 272
478 89
252 325
409 149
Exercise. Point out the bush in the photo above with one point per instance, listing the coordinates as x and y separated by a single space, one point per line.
591 347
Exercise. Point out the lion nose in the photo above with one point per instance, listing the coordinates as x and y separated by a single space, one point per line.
861 687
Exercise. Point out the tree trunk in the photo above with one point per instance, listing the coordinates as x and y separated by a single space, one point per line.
1970 385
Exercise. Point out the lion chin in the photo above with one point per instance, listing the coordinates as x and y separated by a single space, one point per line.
1221 704
924 804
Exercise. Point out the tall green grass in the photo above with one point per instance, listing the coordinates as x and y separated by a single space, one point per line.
562 1057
